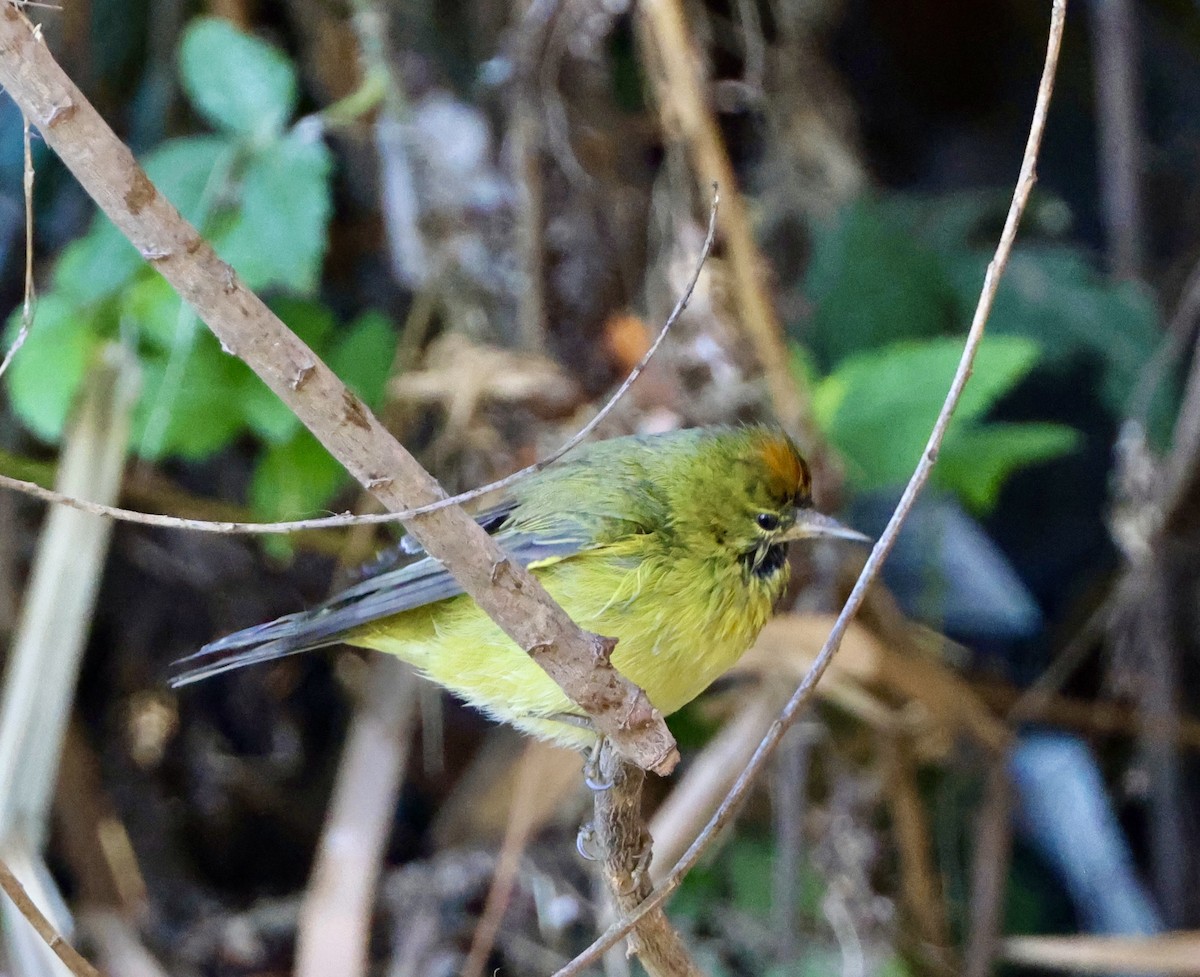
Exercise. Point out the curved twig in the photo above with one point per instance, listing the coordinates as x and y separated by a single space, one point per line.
870 571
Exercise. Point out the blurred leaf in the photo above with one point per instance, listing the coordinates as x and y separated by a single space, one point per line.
1054 297
195 412
45 375
364 358
878 407
189 172
750 865
151 306
96 266
235 81
279 238
307 318
873 282
974 463
295 479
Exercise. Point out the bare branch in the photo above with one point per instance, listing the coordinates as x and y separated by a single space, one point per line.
507 592
883 547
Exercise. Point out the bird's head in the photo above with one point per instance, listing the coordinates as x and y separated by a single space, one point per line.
752 495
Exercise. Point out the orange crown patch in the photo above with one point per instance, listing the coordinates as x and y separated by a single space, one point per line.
785 466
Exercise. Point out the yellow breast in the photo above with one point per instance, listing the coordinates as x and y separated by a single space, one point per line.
679 625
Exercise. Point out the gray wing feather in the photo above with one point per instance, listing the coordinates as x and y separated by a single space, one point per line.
404 589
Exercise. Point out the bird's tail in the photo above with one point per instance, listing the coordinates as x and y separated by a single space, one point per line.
288 635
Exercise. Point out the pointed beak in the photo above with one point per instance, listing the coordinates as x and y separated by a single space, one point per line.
810 524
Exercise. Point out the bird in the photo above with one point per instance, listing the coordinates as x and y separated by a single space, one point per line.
675 544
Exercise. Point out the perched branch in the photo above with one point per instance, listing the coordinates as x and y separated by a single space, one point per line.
883 547
507 592
625 845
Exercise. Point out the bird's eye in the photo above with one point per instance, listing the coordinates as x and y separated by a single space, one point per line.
767 521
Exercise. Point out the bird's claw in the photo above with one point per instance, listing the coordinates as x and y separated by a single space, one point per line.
585 843
592 775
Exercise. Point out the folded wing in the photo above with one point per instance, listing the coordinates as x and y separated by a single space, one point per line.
394 592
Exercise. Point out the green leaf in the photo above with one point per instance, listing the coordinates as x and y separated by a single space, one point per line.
295 479
974 463
235 81
279 236
364 358
44 376
190 408
309 319
152 307
750 863
96 266
873 282
878 407
191 173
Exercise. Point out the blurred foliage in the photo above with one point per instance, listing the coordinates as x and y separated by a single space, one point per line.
877 406
260 192
737 886
892 279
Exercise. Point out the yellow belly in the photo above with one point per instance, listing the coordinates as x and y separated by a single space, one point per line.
678 629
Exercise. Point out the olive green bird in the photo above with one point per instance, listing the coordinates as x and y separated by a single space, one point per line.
674 544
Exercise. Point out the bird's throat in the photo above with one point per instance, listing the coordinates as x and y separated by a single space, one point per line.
765 561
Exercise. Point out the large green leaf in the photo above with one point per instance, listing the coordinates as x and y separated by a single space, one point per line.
974 463
44 376
279 236
96 266
1054 297
235 81
190 406
878 407
191 173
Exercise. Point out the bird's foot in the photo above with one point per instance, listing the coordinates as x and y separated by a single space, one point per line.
592 774
587 844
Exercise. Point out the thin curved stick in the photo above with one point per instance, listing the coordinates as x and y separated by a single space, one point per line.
72 959
882 548
36 491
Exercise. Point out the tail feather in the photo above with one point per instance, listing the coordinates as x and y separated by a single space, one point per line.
288 635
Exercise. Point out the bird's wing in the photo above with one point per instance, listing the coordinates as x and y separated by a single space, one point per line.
403 589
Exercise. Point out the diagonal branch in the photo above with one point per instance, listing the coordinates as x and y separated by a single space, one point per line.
577 661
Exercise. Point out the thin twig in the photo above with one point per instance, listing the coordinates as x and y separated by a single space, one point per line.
27 306
72 959
348 519
883 547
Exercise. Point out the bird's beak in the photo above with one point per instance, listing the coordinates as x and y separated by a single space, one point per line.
810 523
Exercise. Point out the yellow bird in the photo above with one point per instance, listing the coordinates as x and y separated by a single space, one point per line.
674 544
